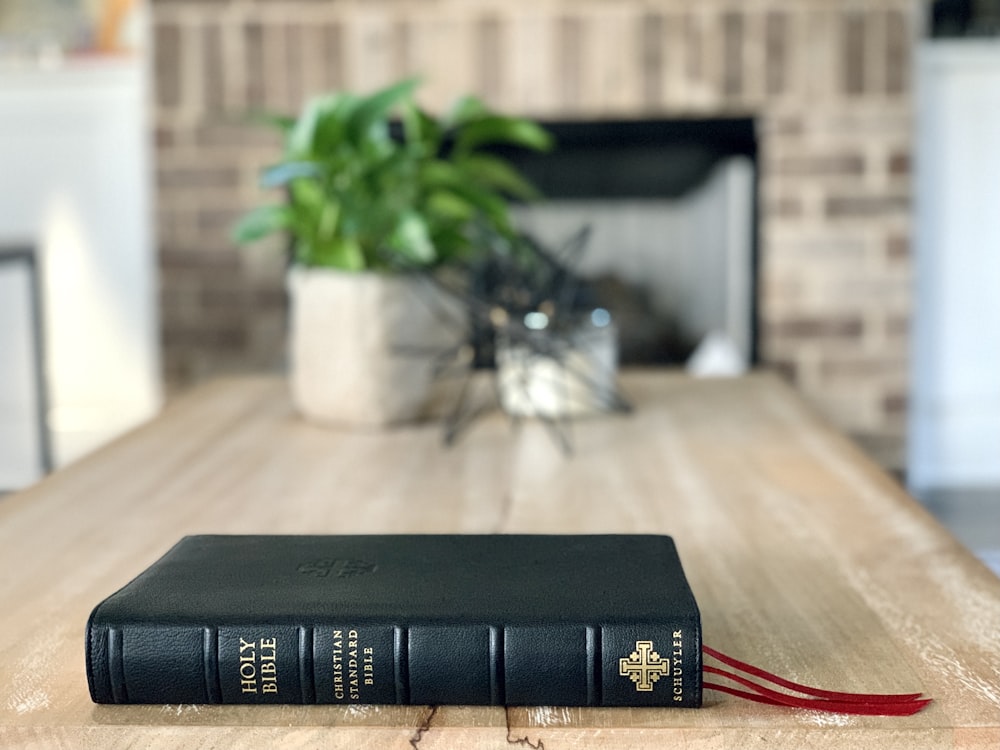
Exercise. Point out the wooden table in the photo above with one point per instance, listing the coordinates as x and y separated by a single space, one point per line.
805 558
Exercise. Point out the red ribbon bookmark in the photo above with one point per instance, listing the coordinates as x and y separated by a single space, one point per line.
870 704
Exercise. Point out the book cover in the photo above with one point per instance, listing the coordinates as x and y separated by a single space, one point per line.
599 620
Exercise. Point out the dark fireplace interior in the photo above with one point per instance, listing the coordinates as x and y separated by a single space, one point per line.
672 210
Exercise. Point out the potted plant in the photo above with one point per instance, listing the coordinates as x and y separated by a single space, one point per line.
376 193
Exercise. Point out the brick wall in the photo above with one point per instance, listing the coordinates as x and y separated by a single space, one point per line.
828 80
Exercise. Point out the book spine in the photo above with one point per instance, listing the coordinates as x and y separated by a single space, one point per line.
561 664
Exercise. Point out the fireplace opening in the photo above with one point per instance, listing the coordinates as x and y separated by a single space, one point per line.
672 211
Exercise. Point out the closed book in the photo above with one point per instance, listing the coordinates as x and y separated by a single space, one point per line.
598 620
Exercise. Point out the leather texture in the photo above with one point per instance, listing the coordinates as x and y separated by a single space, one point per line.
423 619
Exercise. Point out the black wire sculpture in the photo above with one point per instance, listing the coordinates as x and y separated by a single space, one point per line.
530 318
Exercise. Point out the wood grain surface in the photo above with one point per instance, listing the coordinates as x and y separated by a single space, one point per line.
804 557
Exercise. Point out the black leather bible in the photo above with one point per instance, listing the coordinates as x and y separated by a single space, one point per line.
603 620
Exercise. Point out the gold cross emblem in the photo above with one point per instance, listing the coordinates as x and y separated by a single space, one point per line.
643 666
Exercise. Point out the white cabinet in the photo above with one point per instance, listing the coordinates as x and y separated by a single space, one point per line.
955 400
76 182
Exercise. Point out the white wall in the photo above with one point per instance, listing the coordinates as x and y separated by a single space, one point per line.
20 449
954 436
76 179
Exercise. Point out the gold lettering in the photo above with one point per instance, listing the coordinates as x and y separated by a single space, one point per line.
268 665
258 666
248 672
369 666
248 677
352 671
676 661
353 665
338 665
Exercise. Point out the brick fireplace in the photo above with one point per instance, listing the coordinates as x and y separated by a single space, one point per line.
826 81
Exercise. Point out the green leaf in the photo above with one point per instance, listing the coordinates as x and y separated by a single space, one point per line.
507 130
466 110
314 213
308 194
348 254
413 124
281 174
449 206
261 222
331 130
376 107
436 173
412 239
344 253
423 134
444 175
302 137
487 202
450 243
321 126
497 173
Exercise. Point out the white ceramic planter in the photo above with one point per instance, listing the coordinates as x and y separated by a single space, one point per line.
362 345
